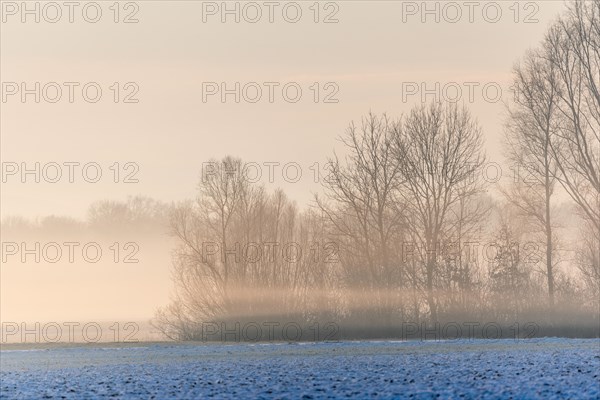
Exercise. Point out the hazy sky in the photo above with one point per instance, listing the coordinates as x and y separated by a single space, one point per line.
370 55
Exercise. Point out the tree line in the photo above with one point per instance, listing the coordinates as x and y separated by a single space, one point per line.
403 210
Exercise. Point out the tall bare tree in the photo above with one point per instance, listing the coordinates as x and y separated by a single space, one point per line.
362 205
438 149
572 48
532 128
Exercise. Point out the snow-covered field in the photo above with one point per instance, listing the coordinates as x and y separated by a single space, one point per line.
533 368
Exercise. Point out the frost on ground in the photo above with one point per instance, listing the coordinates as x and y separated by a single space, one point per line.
534 368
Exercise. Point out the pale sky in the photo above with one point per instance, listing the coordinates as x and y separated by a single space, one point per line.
368 54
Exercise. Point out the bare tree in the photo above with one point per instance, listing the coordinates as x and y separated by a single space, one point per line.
532 128
572 48
242 253
438 148
362 207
